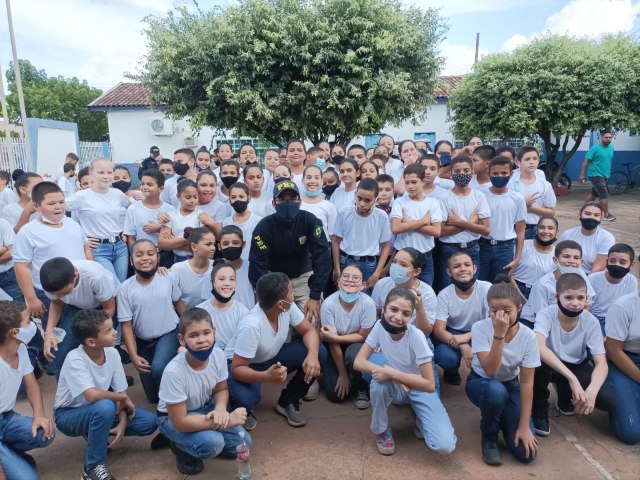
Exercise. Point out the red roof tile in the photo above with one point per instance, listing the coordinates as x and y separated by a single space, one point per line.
446 86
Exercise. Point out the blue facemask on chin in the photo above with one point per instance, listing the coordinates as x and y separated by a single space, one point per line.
287 211
200 355
313 194
349 297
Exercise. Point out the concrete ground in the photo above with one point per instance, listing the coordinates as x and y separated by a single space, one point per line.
337 443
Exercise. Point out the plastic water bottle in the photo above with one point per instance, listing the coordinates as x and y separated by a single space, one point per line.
242 455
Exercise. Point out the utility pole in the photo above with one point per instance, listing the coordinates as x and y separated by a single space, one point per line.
477 45
5 116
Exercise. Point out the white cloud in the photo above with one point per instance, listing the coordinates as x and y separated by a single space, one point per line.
459 58
594 18
456 7
514 42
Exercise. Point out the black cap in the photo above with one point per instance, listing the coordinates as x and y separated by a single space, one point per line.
283 186
154 149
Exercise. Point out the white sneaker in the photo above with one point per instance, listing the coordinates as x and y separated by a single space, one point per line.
313 393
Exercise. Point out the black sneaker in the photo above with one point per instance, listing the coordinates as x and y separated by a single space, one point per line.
452 378
29 459
130 380
541 424
159 441
567 410
185 463
490 452
292 412
251 422
362 400
99 472
610 217
124 355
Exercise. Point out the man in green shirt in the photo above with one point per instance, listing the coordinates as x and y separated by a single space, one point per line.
597 166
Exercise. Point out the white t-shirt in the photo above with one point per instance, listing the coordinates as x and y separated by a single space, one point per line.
11 378
244 289
36 243
406 354
570 347
261 206
334 316
226 321
480 187
178 223
429 299
506 210
362 235
138 216
546 198
464 206
256 340
533 264
521 351
297 179
170 192
415 210
7 238
608 293
216 210
444 183
394 167
12 212
461 314
597 244
80 373
7 197
181 383
623 322
342 199
95 286
101 215
149 307
67 185
325 211
439 193
247 231
195 287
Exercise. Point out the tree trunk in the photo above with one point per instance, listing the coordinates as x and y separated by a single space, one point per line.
566 156
551 151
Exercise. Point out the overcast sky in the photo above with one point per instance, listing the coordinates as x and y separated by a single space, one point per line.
101 40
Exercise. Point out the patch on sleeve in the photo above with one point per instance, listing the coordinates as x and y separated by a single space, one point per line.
261 245
317 232
302 240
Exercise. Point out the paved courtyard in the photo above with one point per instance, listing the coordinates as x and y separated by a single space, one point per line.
337 443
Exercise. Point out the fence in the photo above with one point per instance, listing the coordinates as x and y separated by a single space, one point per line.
19 147
92 150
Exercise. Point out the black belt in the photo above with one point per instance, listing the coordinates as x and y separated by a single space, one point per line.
472 243
161 414
357 258
490 241
114 239
522 284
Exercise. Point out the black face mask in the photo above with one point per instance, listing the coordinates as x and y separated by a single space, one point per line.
240 206
220 298
589 223
147 275
569 313
228 181
231 253
618 272
392 329
329 189
464 286
122 185
180 168
545 243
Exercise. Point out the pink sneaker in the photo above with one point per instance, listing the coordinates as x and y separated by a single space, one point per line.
385 442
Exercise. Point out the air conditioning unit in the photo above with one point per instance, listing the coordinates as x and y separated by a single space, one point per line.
190 142
161 126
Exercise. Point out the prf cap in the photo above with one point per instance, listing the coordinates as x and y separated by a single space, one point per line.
283 186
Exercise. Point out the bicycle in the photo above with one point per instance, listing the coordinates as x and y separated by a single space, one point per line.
564 180
621 181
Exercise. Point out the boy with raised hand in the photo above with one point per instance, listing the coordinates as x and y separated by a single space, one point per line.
192 412
92 398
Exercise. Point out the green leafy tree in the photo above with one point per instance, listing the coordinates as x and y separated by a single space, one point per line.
281 69
556 89
57 98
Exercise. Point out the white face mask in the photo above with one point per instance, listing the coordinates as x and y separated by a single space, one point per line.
26 334
565 269
46 220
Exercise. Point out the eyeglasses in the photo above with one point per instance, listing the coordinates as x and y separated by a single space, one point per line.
351 278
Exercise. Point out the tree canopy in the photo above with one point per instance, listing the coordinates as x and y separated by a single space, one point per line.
56 98
281 69
555 88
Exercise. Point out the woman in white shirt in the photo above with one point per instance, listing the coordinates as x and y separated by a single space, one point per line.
313 199
259 199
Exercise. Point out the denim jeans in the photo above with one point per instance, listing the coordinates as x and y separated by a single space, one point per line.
158 352
447 357
367 266
36 345
180 258
624 408
69 343
9 284
330 372
530 231
15 439
426 275
544 375
499 404
205 443
94 421
291 355
493 259
601 320
525 289
448 249
114 257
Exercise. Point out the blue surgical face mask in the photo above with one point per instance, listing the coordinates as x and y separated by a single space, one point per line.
320 163
201 355
398 273
287 211
349 297
313 194
499 182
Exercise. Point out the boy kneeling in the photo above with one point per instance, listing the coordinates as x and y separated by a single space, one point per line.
192 412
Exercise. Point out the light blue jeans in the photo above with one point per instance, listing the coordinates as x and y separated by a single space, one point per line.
205 443
114 257
15 439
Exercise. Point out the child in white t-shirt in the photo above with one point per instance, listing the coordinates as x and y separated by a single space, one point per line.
569 339
19 433
344 196
481 158
313 200
194 396
67 182
230 245
402 374
149 322
23 210
208 190
386 193
92 400
259 198
504 350
192 277
8 282
243 217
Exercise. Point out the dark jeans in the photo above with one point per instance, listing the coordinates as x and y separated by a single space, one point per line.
493 259
158 352
448 358
499 404
624 408
427 273
69 343
330 372
368 264
524 289
530 231
9 284
545 374
291 355
448 249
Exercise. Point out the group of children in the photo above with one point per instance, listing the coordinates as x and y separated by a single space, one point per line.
437 258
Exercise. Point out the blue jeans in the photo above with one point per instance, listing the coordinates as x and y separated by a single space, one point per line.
426 275
493 259
601 320
69 342
447 357
114 257
95 420
530 231
158 352
9 284
367 266
205 443
15 439
624 410
499 404
448 249
291 355
524 289
180 258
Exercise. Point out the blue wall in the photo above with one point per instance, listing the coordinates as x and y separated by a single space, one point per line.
575 163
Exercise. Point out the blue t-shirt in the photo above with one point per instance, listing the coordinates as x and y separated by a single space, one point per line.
600 159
